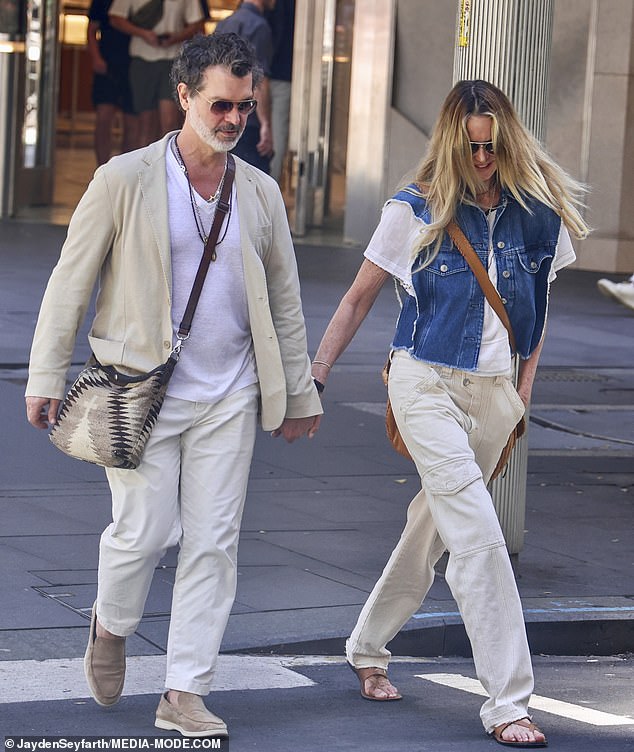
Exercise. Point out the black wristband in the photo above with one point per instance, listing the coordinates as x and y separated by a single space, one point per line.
319 386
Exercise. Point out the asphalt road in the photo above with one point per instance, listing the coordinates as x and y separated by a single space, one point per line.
312 704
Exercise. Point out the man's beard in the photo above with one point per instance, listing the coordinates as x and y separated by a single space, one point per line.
206 134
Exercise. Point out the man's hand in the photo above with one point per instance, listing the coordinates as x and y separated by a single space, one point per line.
149 36
42 411
167 40
265 144
295 428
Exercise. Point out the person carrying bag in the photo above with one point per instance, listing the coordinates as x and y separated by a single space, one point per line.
450 387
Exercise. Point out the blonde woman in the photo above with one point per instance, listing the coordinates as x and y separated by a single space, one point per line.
450 380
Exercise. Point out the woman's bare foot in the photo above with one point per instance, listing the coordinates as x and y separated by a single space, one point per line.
520 733
375 685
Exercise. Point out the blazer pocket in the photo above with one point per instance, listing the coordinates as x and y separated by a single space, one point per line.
264 230
107 351
262 239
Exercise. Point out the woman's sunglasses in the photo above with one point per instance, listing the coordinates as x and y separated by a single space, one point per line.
224 106
487 145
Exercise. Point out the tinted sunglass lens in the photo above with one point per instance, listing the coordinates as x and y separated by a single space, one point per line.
475 147
224 107
220 107
244 108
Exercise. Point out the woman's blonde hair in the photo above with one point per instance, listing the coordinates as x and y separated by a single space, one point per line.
447 176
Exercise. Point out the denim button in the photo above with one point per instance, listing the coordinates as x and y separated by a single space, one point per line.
500 244
504 301
506 274
443 267
533 264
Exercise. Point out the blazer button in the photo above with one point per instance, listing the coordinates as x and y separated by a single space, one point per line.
444 268
167 344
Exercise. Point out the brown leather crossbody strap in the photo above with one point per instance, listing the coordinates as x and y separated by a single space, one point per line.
210 247
477 267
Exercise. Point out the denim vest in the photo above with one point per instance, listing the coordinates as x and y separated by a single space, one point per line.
442 322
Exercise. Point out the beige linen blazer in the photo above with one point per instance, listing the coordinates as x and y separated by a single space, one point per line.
119 239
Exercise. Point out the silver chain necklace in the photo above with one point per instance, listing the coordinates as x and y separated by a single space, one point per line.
204 236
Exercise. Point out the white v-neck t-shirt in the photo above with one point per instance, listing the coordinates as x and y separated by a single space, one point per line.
217 359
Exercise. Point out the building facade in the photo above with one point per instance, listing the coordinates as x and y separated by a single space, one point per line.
369 77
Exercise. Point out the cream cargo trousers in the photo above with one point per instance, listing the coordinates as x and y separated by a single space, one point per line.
188 490
455 424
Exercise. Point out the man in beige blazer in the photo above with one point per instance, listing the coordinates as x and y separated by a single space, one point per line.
138 232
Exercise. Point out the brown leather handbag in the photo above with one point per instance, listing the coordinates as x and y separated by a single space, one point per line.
391 428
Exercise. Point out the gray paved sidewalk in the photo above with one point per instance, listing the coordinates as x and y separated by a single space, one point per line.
322 516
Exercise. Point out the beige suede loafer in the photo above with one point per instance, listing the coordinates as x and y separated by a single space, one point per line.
189 716
104 665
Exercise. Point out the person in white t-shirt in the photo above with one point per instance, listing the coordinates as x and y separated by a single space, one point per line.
140 230
155 40
450 380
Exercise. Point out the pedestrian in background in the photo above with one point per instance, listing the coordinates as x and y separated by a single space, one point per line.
109 53
282 22
156 38
450 379
140 229
256 145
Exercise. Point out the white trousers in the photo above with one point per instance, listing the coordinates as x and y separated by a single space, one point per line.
188 490
455 424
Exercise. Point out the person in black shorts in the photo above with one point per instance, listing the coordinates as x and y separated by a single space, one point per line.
110 88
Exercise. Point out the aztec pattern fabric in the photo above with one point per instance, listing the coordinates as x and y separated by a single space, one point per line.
107 417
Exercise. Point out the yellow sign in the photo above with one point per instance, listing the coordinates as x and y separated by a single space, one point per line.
465 23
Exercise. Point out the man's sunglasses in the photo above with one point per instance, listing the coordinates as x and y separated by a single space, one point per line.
475 147
224 106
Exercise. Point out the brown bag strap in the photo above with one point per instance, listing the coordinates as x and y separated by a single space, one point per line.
477 267
209 254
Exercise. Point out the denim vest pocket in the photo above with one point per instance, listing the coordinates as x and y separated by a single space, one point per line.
447 262
531 259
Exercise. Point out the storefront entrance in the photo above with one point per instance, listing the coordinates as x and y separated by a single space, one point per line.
72 159
62 159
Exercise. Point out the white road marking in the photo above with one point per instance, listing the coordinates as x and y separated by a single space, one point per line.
546 704
59 679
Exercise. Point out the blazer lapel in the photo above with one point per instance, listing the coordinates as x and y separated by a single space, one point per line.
153 185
